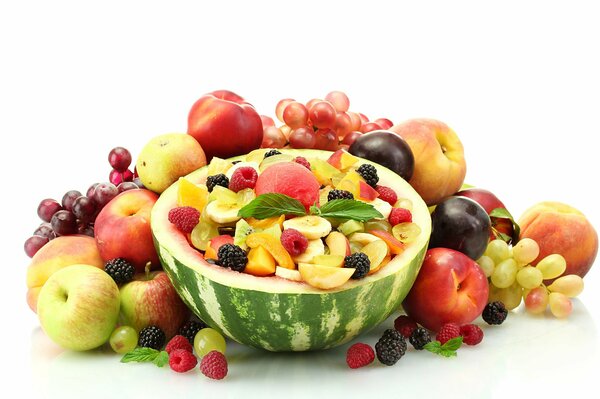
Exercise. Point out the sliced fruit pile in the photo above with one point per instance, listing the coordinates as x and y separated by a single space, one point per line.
224 219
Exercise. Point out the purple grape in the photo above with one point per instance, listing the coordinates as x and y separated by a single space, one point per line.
34 244
116 177
87 229
45 230
69 198
84 209
64 223
138 182
90 191
47 208
126 185
103 193
119 158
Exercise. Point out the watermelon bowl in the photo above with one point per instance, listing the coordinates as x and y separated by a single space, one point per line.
277 314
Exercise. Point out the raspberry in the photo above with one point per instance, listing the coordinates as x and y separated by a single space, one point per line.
214 365
399 215
405 325
293 241
387 194
302 161
244 177
185 218
181 360
494 313
447 332
359 355
178 342
472 334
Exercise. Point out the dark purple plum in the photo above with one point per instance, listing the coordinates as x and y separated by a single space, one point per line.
461 224
387 149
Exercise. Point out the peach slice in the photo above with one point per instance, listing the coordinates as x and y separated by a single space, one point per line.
366 192
323 171
324 277
396 247
274 246
190 194
338 244
260 262
384 262
262 224
376 252
329 260
342 160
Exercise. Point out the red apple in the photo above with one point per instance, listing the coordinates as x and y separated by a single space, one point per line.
489 202
450 288
151 299
225 125
122 229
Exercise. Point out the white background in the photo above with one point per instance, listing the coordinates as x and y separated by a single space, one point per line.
518 81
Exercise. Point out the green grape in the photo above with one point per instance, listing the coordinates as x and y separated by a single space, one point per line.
552 266
123 339
497 250
355 247
204 231
529 277
570 285
404 203
525 251
504 273
378 225
245 196
207 340
511 296
487 265
406 232
560 304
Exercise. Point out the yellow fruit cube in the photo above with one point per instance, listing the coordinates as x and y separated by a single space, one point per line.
260 262
190 194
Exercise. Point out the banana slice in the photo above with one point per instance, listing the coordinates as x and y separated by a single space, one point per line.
221 213
315 247
382 206
363 238
311 227
288 274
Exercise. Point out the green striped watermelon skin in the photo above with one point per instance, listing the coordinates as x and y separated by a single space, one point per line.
290 322
281 315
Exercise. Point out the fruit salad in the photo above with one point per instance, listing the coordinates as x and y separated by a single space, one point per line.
321 222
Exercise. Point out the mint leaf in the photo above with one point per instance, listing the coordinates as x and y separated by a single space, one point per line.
503 213
268 205
349 209
447 350
140 355
161 359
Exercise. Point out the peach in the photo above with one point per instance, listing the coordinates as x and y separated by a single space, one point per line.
122 229
55 255
215 243
292 179
562 229
440 166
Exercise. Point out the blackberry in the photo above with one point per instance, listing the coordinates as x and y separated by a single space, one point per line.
390 347
339 194
360 262
494 313
369 173
120 270
232 256
270 153
419 338
191 328
152 337
217 180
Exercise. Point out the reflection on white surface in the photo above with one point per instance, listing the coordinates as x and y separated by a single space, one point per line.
526 355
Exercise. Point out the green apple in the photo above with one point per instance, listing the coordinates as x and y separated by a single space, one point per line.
78 307
151 299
